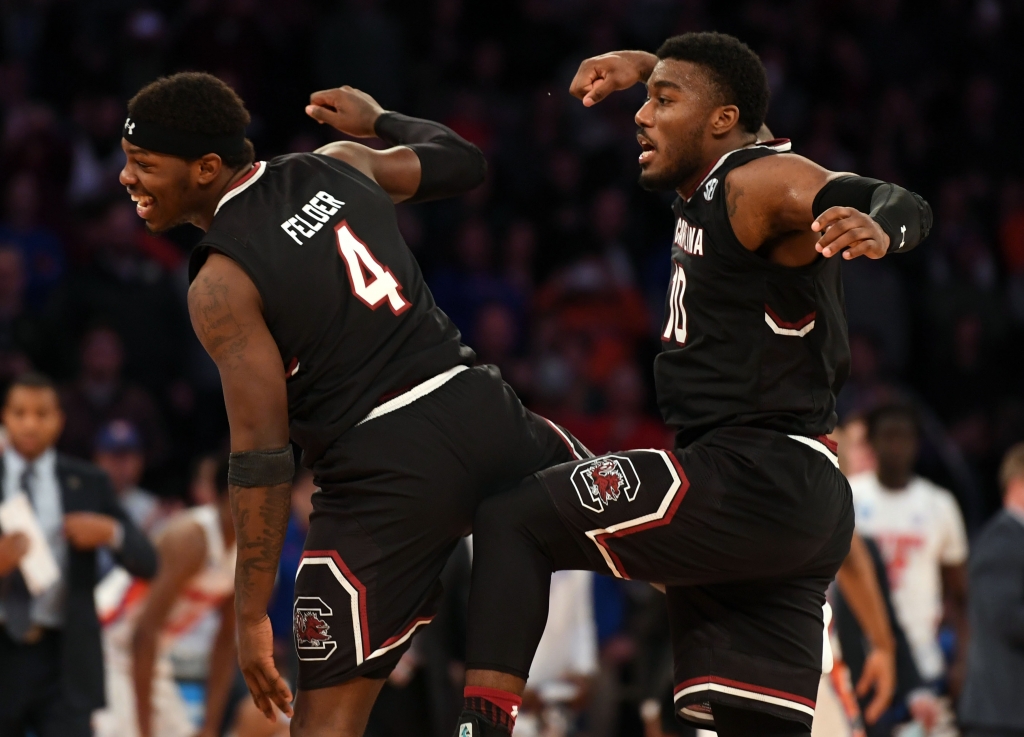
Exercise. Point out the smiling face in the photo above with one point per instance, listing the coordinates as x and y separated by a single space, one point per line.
168 190
680 123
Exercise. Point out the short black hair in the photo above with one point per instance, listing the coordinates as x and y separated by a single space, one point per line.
31 380
195 102
893 410
734 68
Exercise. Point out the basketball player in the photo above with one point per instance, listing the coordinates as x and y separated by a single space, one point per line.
325 334
196 576
748 519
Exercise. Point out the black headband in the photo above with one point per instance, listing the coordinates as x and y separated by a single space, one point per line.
159 139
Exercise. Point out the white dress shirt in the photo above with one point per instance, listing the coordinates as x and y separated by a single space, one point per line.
47 608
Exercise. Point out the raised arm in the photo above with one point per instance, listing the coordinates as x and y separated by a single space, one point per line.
427 161
794 210
227 316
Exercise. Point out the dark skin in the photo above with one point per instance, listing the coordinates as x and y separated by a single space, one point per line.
227 315
685 127
896 443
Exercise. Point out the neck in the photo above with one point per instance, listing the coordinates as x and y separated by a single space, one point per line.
204 219
720 147
895 479
31 457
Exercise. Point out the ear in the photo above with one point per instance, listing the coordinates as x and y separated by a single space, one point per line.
724 119
207 169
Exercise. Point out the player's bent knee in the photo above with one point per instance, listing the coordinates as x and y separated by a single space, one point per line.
517 513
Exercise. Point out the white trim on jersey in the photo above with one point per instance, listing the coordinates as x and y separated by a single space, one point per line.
744 693
788 331
818 446
666 504
417 392
261 166
567 441
781 147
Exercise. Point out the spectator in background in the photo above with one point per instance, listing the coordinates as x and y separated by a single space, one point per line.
992 704
920 531
128 285
24 330
41 251
119 452
101 395
565 662
625 424
52 663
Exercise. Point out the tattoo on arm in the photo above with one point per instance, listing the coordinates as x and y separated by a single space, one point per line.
733 192
261 521
216 325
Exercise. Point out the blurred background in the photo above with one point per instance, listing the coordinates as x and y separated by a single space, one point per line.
556 268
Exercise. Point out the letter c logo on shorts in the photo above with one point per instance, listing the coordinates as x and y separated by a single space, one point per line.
313 640
604 480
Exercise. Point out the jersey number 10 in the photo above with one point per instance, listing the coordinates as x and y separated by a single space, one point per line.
371 282
675 325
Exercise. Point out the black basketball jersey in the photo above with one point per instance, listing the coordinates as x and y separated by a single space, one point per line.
746 341
342 293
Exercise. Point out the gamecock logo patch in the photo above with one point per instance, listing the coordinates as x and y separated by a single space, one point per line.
313 640
605 480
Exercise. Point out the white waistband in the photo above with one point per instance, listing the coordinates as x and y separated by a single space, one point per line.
818 446
418 391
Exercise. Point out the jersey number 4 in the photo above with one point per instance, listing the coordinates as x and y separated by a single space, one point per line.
675 325
372 282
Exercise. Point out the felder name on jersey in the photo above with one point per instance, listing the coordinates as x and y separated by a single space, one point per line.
319 209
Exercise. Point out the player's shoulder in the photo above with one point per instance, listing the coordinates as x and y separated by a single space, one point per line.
784 168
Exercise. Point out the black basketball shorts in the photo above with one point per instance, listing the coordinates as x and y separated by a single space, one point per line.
746 528
398 491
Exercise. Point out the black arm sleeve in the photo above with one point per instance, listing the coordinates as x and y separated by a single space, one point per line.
904 216
449 164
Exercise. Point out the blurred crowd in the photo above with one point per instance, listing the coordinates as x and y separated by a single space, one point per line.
555 269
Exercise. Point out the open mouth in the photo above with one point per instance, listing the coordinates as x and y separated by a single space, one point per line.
143 204
647 150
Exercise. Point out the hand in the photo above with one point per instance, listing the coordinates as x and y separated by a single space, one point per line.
89 530
925 709
599 76
347 109
256 658
846 228
879 675
12 549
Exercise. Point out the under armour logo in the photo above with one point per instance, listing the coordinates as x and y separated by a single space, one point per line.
709 189
903 230
129 126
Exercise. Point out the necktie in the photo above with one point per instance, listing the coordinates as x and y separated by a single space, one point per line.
16 597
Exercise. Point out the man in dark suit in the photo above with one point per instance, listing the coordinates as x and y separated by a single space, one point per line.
51 660
993 699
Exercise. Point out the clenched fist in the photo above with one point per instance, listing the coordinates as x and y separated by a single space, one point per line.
347 109
599 76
